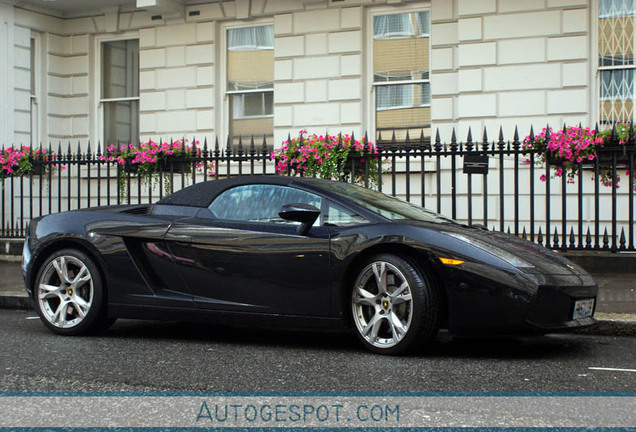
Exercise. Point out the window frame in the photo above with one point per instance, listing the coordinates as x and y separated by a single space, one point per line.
321 198
36 91
225 92
97 117
596 69
371 109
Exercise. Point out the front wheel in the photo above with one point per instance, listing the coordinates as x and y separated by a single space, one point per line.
69 294
394 305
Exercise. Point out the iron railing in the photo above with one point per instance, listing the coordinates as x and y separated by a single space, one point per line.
449 178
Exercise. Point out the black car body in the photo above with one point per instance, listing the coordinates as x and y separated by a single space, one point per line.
300 253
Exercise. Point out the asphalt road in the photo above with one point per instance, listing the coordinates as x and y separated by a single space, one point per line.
147 356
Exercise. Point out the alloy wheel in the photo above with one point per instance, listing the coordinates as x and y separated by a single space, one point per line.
382 304
65 291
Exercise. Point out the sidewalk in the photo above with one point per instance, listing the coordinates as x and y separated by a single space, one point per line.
615 311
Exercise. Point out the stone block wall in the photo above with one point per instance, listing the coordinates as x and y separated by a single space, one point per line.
506 63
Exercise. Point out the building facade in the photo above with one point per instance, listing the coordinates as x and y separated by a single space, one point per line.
120 70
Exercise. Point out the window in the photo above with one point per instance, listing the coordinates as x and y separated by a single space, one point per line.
250 82
340 216
34 91
401 74
616 50
120 91
259 203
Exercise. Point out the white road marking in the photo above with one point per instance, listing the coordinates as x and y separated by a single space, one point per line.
32 318
612 369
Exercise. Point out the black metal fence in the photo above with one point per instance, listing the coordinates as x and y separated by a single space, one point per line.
489 182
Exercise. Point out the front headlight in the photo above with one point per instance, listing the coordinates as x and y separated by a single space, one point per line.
506 256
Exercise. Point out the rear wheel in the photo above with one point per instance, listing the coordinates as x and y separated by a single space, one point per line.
69 294
394 305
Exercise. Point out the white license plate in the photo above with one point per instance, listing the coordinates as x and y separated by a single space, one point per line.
583 308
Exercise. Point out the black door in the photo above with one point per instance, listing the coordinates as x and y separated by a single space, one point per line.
239 255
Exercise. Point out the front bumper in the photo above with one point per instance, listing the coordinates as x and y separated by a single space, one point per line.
553 308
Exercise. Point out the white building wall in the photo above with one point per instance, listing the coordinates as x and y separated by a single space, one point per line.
510 63
68 87
177 81
318 71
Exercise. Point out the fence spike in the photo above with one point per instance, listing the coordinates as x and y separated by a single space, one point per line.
378 144
195 147
264 146
484 141
228 146
501 144
217 150
205 147
605 240
523 234
555 239
613 136
469 140
393 142
531 134
588 239
438 141
540 237
240 146
422 141
453 144
508 229
252 147
572 238
623 242
407 142
516 144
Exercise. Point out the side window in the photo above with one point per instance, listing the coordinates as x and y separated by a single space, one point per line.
340 216
259 203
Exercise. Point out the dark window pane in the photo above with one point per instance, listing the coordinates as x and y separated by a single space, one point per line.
259 203
121 122
120 69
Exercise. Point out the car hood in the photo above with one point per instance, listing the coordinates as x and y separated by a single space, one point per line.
543 260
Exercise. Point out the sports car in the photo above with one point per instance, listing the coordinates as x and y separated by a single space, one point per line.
298 253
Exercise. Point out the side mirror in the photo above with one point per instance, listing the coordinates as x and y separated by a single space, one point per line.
304 213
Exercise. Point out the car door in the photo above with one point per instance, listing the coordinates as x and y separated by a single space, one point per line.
239 255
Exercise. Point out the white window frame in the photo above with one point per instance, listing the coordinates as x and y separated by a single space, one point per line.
98 104
36 91
595 69
225 93
371 84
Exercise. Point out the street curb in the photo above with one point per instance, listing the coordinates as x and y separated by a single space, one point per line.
606 325
15 302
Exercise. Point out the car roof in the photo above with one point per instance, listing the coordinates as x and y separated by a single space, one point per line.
202 194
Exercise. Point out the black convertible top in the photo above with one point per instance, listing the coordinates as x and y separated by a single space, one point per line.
202 194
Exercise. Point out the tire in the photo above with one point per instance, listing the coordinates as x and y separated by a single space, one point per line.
394 305
69 294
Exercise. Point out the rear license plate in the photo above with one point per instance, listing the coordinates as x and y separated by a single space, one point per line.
583 308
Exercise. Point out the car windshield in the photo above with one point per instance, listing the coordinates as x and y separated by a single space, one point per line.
384 205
